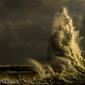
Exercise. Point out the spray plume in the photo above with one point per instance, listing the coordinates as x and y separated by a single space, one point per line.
64 54
63 48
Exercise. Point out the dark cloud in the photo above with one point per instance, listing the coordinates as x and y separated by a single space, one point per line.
20 7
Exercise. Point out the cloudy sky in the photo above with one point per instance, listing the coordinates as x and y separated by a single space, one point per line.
25 27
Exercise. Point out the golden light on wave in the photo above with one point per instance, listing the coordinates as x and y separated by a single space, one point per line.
64 53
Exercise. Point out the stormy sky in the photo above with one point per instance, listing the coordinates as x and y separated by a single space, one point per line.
25 27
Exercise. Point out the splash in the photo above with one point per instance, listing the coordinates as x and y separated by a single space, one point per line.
63 49
64 54
43 71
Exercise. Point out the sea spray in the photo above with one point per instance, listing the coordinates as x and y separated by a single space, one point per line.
64 54
43 71
63 48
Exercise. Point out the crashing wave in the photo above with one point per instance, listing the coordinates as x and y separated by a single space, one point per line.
63 49
64 53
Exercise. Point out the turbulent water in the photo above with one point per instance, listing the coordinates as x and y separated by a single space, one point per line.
64 54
